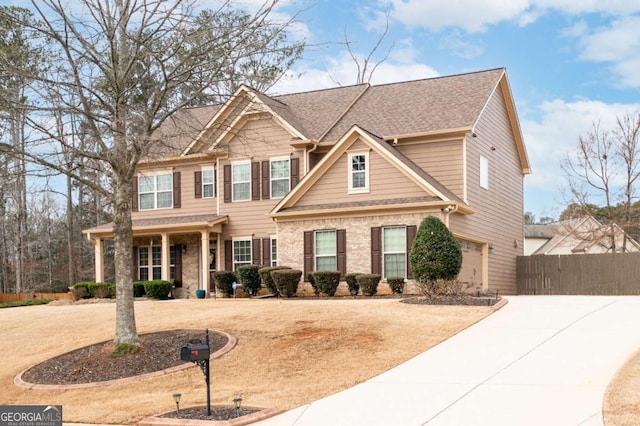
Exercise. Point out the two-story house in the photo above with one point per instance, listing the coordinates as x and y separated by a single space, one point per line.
335 179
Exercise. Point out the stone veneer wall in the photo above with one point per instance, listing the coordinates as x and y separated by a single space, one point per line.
358 229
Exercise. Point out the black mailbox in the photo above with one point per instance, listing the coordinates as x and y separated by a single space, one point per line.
194 352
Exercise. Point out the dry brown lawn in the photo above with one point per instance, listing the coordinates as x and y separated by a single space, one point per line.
289 352
621 401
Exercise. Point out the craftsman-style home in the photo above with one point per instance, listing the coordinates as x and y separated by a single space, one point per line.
335 179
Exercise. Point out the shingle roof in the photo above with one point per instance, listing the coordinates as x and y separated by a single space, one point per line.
163 222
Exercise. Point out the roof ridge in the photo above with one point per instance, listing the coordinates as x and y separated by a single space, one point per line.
440 77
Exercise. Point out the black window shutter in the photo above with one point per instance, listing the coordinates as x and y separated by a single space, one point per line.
266 176
197 185
341 251
255 251
376 250
227 183
228 255
308 253
134 194
266 251
255 180
215 182
295 172
176 190
177 280
411 235
134 263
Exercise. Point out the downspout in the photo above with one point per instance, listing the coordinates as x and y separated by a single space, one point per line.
307 158
452 208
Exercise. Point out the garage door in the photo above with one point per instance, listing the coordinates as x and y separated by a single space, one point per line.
471 271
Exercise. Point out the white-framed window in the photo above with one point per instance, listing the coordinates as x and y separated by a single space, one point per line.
241 253
325 246
394 248
150 263
280 176
155 191
484 172
208 188
358 172
241 181
274 251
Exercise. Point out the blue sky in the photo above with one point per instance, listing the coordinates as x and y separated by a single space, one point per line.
570 62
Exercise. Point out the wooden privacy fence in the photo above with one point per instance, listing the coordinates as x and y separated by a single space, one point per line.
588 274
12 297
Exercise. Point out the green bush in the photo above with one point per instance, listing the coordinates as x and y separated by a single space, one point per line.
396 284
224 281
250 278
138 289
267 281
312 281
286 281
158 289
327 281
368 283
99 290
435 256
352 283
80 290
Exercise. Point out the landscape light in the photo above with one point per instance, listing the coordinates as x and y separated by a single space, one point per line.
176 398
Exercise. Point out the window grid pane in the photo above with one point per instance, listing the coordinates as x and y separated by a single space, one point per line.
358 171
207 183
241 253
274 252
241 179
394 249
326 259
155 192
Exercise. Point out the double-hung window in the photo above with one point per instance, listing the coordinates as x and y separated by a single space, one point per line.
280 177
149 263
241 253
155 191
394 247
241 181
208 190
274 251
326 256
358 172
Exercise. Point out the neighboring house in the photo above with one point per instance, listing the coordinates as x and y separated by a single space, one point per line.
577 236
335 179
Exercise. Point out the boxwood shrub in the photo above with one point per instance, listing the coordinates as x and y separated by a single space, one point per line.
396 284
327 282
312 281
138 289
267 280
158 289
99 290
80 290
352 283
368 283
286 281
250 278
224 282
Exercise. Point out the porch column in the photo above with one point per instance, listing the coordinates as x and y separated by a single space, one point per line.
98 248
165 257
205 260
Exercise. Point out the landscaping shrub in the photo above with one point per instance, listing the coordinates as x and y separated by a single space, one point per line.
396 284
138 289
286 281
80 290
224 281
352 283
327 282
368 283
435 256
312 281
265 277
99 290
250 278
158 289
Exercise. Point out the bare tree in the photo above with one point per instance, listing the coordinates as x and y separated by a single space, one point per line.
603 172
124 67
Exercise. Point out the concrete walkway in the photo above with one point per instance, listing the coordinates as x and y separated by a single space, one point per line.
540 360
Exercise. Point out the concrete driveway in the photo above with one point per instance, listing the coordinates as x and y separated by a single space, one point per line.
540 360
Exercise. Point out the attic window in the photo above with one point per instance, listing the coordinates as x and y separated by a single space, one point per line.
358 173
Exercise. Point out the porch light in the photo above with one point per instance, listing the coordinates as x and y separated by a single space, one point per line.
237 401
176 398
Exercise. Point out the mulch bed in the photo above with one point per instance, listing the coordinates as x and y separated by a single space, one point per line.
158 351
217 413
446 300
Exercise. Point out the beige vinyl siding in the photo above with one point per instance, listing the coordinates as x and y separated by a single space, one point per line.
257 140
443 160
385 181
499 209
190 205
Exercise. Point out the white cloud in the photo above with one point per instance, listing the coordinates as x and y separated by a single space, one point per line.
342 71
475 16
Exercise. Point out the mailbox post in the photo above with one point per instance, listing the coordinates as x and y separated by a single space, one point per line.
199 354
